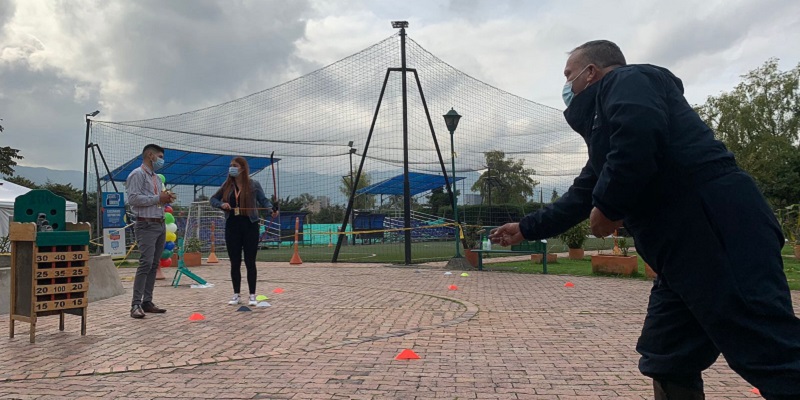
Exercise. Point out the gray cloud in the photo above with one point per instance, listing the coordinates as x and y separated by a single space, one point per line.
715 31
7 10
145 59
133 60
189 55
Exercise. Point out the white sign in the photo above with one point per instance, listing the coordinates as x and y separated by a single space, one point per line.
114 241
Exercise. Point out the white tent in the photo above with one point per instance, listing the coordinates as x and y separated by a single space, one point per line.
9 192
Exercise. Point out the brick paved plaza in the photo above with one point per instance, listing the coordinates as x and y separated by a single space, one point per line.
334 333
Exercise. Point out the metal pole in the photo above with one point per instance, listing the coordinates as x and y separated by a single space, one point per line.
352 215
406 183
433 133
455 207
108 171
490 184
99 193
349 209
86 168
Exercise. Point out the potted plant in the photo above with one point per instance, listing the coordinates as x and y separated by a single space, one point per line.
618 263
574 238
191 252
471 240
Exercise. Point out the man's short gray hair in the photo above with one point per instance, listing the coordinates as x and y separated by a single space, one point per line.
602 53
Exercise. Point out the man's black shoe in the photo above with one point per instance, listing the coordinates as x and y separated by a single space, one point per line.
149 307
137 312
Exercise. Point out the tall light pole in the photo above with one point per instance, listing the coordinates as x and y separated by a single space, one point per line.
451 120
353 185
86 163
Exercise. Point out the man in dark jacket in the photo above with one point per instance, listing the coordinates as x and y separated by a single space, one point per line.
697 219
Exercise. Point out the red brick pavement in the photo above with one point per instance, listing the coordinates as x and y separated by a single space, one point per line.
334 334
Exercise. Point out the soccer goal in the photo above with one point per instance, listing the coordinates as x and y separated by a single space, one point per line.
205 223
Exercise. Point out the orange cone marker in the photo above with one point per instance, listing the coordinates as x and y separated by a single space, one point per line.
212 258
453 287
755 391
278 291
196 317
296 256
569 284
407 354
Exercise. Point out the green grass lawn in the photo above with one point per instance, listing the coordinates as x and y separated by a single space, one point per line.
442 251
791 267
385 252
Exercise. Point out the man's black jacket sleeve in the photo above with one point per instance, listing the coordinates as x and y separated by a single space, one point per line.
567 211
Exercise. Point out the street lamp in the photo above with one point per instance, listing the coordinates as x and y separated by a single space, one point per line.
451 120
86 162
352 186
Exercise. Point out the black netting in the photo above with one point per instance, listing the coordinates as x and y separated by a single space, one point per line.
308 122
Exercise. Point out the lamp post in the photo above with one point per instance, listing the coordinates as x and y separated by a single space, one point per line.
86 162
353 185
451 120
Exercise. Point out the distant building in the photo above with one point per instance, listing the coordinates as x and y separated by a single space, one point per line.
470 199
318 204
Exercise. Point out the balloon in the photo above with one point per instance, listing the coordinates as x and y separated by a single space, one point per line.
166 253
171 236
169 218
168 209
172 227
169 246
163 179
166 262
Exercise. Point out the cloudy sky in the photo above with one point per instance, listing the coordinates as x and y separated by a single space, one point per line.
141 59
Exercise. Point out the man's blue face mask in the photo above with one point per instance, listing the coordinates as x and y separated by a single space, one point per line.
158 163
566 92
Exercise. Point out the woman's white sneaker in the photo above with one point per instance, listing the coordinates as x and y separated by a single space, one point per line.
234 300
252 301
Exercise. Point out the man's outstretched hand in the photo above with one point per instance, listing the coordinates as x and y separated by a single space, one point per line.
602 226
506 235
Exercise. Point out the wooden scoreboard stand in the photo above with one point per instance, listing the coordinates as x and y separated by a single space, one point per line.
49 266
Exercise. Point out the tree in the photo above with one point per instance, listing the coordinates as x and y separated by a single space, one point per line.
305 199
330 215
7 157
759 121
291 204
395 202
363 202
438 199
66 191
508 181
554 196
23 181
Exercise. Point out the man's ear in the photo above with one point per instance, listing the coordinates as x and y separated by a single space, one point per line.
593 75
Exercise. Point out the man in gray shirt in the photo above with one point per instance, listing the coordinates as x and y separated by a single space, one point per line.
147 205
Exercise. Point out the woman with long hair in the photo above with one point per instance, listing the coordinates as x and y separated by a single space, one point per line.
238 197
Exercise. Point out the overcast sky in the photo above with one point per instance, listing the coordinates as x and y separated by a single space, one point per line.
141 59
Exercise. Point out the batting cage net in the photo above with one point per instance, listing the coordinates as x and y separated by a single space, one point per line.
307 139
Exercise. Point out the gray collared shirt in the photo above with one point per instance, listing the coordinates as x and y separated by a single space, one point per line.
143 187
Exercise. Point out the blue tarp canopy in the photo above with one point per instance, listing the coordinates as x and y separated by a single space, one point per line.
418 183
191 168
